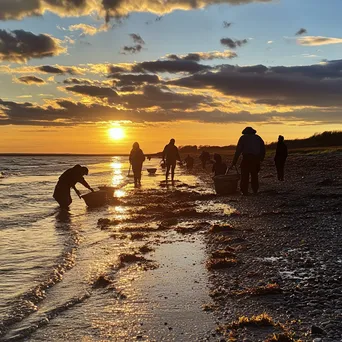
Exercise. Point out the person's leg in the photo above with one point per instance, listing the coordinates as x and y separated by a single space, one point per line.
255 168
277 164
173 172
168 166
244 177
281 170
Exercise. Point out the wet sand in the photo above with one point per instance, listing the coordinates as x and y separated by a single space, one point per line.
165 274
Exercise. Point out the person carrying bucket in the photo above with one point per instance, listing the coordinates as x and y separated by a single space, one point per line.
171 155
136 158
252 148
67 181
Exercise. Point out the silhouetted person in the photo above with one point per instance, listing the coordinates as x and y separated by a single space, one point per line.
189 162
204 157
280 157
219 168
136 158
171 155
67 181
252 148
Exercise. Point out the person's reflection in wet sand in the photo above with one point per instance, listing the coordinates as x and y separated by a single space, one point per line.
63 219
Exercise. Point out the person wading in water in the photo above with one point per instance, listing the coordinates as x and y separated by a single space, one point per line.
67 181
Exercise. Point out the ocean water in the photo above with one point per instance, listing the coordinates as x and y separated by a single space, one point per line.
49 258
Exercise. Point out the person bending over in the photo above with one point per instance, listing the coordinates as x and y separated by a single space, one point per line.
219 168
67 181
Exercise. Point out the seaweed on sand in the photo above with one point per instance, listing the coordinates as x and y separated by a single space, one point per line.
224 253
269 289
102 281
225 228
220 263
129 258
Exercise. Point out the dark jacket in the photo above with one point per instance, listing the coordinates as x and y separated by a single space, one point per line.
250 144
72 176
137 157
281 152
171 154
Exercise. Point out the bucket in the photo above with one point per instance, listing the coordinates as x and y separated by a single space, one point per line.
96 199
152 171
109 189
226 184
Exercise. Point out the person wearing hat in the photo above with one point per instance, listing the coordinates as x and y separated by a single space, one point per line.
280 157
252 148
67 181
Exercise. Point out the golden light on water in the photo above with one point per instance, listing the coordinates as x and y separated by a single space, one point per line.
116 133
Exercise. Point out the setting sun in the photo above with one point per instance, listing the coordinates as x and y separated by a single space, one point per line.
116 133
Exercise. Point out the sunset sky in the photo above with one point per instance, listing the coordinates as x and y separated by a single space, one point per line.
198 71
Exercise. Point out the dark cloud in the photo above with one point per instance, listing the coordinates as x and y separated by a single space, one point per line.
94 91
226 24
170 66
20 46
59 70
77 81
137 38
292 86
31 80
18 9
123 80
153 96
233 44
131 49
301 31
68 113
205 56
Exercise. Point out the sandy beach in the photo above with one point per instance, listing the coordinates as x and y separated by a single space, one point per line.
178 263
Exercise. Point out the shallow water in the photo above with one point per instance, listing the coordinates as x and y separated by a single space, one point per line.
49 259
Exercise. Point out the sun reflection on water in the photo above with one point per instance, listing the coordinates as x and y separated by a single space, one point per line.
116 167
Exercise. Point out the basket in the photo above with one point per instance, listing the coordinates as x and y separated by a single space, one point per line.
152 171
226 184
96 199
109 189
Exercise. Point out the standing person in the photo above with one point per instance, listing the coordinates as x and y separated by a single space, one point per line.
67 181
252 148
204 157
219 168
171 155
136 158
280 157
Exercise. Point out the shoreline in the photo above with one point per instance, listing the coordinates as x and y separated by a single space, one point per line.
276 256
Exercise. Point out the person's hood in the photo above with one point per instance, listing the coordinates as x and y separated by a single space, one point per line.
249 130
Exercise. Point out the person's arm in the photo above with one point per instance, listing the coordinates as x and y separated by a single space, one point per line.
143 158
262 150
164 153
238 151
178 155
85 184
77 191
286 152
